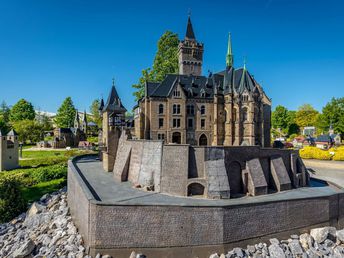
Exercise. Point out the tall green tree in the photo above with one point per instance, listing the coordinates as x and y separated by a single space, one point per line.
65 114
165 62
332 113
94 109
279 118
22 110
306 115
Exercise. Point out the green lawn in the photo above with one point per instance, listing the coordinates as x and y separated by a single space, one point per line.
42 171
35 192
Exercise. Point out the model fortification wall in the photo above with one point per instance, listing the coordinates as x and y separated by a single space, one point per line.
211 172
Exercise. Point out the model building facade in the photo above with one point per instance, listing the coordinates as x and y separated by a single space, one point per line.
225 108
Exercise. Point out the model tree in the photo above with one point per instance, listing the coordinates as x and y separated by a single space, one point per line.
94 109
165 62
279 118
332 114
306 115
22 110
65 114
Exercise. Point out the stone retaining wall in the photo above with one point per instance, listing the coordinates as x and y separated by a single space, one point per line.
160 229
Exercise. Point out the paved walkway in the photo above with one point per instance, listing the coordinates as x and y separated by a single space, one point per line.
327 170
111 191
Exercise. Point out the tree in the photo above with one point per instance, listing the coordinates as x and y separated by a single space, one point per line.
306 115
94 109
332 113
293 128
22 110
4 112
65 114
29 130
279 118
165 62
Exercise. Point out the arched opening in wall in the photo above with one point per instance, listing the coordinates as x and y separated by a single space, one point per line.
203 141
235 179
177 138
195 189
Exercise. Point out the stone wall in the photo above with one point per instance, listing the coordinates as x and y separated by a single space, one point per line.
119 228
175 168
139 162
221 171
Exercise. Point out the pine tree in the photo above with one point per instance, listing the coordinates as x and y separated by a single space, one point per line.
65 114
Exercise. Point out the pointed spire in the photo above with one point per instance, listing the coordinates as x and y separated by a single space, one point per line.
113 101
244 63
101 106
229 56
189 30
84 119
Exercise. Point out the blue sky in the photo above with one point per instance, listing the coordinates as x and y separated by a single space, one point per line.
53 49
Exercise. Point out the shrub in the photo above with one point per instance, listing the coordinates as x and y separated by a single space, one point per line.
339 155
44 174
12 202
315 153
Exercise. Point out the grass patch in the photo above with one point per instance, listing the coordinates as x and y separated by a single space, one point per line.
41 172
33 193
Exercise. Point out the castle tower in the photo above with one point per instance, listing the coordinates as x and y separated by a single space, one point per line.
9 158
84 123
190 53
77 120
113 114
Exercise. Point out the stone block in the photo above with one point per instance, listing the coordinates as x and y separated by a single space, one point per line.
257 184
293 161
280 174
218 185
150 164
121 167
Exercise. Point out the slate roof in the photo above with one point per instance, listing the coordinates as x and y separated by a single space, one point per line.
12 133
189 30
193 86
324 138
113 102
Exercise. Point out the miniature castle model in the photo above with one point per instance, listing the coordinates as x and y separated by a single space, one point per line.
68 137
9 158
227 108
214 170
187 170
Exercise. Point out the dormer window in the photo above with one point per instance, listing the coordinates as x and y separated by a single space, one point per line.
176 93
202 92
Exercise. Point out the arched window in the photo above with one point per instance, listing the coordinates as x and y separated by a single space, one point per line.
244 114
202 110
203 141
161 109
176 93
195 189
176 109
